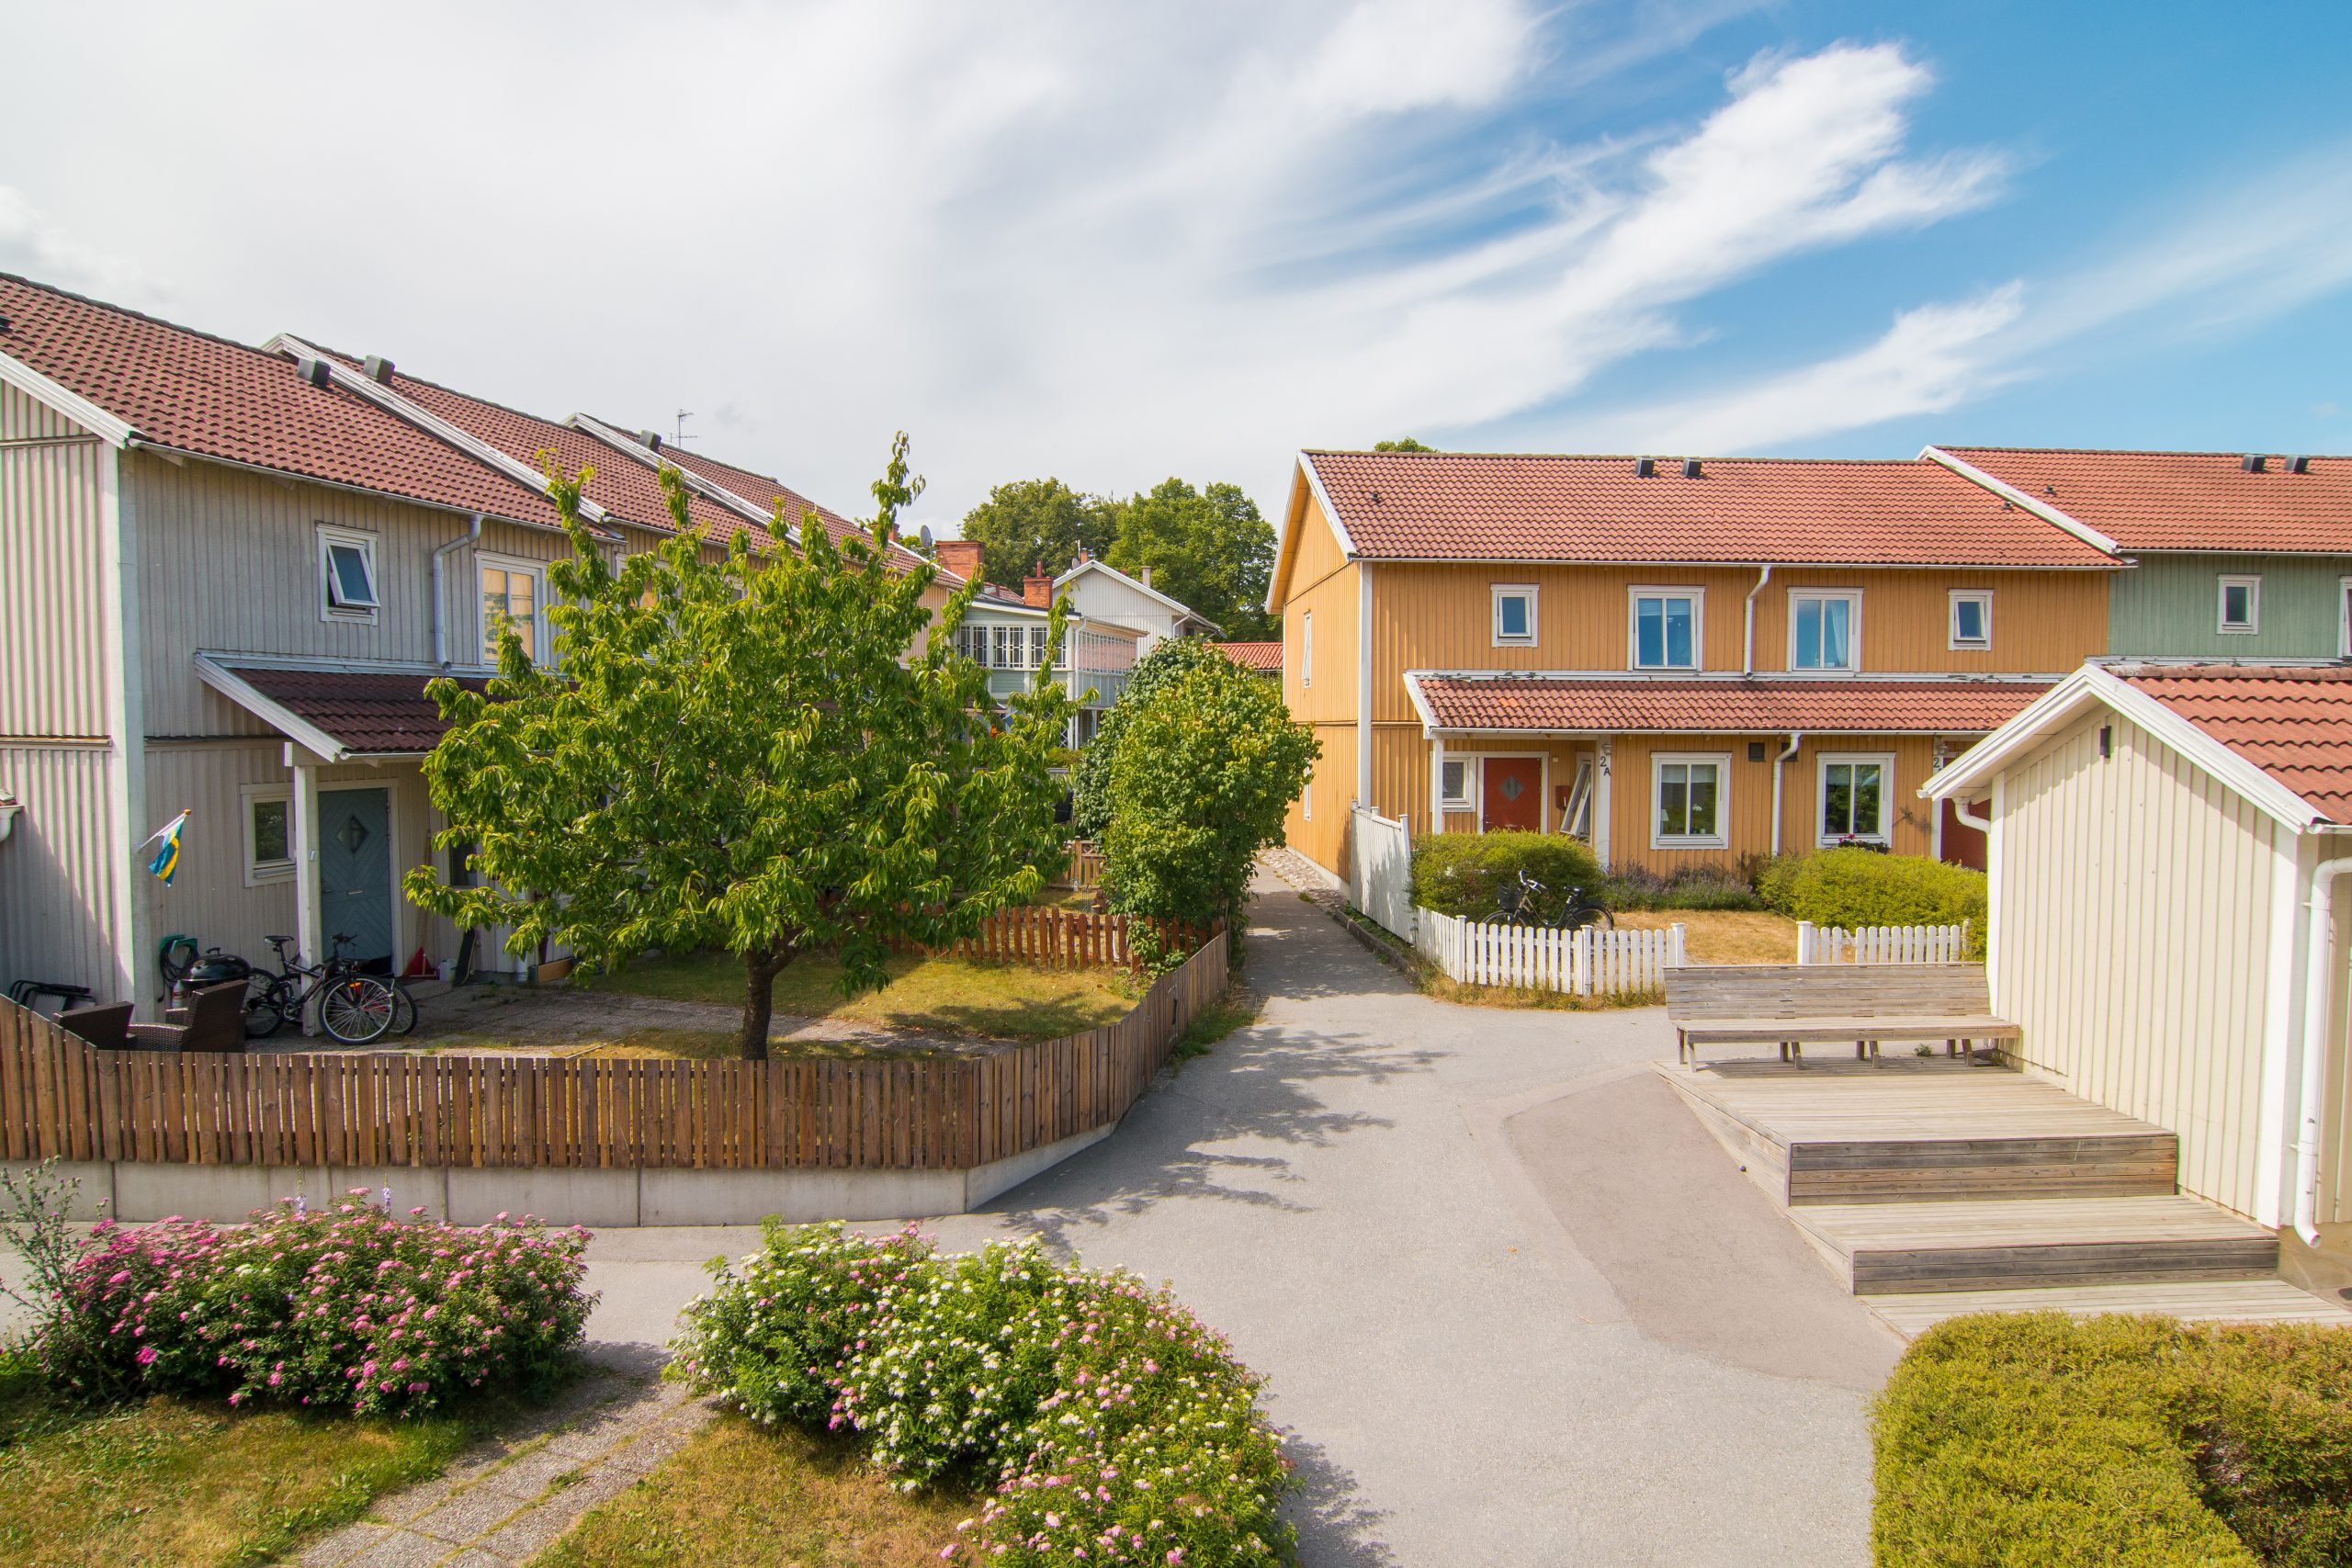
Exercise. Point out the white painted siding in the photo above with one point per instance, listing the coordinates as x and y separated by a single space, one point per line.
2133 942
57 914
2336 1150
55 666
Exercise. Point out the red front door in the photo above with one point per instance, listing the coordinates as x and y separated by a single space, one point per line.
1514 790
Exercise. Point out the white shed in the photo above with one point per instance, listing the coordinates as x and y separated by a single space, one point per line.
2166 845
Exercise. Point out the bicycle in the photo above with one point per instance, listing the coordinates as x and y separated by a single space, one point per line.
355 1008
1520 904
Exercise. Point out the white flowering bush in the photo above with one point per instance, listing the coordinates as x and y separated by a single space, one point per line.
1106 1422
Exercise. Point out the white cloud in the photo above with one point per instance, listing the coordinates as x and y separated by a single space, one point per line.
32 245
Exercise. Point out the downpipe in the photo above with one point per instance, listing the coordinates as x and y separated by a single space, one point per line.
1747 637
441 599
1795 736
2319 993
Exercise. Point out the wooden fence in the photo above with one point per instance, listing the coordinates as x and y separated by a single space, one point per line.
1380 857
1070 939
1594 961
60 1096
1085 867
1883 944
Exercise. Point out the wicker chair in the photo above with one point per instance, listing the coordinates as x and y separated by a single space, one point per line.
106 1025
214 1020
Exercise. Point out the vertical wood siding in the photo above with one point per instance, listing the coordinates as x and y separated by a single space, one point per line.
55 662
2133 942
57 914
2336 1151
2170 605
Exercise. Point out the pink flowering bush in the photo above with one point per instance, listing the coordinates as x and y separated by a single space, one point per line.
347 1308
1109 1425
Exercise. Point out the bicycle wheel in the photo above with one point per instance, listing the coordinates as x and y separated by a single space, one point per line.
404 1014
357 1008
266 1004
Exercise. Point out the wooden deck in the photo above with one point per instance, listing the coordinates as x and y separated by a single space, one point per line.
2210 1301
1979 1245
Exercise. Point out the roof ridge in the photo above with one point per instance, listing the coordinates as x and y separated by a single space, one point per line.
1612 457
153 321
2144 451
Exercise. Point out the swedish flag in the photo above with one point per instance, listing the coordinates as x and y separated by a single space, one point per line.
167 838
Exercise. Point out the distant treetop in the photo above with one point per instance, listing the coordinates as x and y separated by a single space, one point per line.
1403 444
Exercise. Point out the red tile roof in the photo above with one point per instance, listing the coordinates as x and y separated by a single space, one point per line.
2293 723
2183 501
1264 657
1534 507
197 393
368 712
1731 705
761 491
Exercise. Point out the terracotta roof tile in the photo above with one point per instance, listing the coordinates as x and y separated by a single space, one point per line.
1537 507
761 491
2294 724
197 393
1265 656
1732 706
2185 500
369 712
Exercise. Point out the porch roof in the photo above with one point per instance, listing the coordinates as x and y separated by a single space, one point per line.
337 713
1575 705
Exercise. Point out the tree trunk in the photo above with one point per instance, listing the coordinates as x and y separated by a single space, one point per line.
760 970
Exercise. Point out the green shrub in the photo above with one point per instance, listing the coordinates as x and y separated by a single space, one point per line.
1863 888
1696 888
1465 874
2134 1441
1774 877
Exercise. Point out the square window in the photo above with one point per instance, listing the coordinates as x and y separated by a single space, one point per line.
1453 783
1686 802
2241 604
1821 630
1665 628
269 834
346 575
1972 618
1514 615
1853 798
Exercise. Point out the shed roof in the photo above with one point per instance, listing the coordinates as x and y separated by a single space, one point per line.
1730 704
1266 657
2183 501
338 712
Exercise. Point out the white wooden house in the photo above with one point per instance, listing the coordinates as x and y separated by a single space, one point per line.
2167 849
1105 593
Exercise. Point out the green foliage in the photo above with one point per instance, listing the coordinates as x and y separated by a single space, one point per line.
1695 888
1203 773
1465 874
1032 521
1854 888
1095 1409
1091 778
1209 549
2030 1440
767 756
1402 444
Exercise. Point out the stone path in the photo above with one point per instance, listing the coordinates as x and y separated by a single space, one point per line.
506 1499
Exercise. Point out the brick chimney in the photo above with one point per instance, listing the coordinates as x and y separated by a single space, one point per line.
1038 588
1146 577
961 557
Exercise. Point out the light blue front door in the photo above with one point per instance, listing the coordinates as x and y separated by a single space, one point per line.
356 870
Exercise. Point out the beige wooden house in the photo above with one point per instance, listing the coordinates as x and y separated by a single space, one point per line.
2167 848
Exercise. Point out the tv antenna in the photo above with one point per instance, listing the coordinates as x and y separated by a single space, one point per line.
679 437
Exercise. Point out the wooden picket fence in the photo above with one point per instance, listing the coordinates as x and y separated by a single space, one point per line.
1594 961
1070 939
60 1096
1881 944
1085 867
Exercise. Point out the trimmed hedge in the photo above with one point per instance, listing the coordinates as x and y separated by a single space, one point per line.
1864 887
2137 1442
1465 874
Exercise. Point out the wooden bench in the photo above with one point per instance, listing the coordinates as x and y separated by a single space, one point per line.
1788 1004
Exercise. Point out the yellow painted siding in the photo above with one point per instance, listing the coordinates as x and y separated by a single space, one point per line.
2132 942
1322 837
1330 601
57 663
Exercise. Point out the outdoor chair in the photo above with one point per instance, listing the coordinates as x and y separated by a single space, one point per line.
214 1020
106 1025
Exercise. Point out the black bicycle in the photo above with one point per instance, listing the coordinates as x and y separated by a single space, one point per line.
353 1008
1523 902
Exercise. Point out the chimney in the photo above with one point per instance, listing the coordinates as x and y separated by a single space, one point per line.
961 557
315 372
1645 467
379 369
2256 462
1146 577
1038 588
1691 467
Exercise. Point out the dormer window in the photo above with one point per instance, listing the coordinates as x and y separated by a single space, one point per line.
346 575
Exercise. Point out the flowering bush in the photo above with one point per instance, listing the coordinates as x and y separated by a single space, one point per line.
1112 1426
346 1308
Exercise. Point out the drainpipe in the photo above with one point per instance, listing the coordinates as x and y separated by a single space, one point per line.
440 614
2319 992
1747 640
1780 762
1962 814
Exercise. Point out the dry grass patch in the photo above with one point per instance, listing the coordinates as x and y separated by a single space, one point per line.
1436 985
1723 936
740 1498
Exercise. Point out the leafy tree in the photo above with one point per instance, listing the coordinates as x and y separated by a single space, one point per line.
1200 780
1208 547
1091 776
1030 520
765 756
1402 444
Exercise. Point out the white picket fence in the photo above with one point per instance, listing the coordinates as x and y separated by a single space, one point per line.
1881 944
1381 859
1588 963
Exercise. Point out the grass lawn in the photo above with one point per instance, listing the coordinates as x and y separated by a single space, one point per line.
175 1483
1723 936
925 996
738 1497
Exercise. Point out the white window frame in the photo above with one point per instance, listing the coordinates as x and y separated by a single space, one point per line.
1307 799
537 569
1461 800
1307 647
1853 601
1497 593
1822 764
261 873
1576 817
2252 582
1633 597
1718 840
1982 597
2344 618
330 535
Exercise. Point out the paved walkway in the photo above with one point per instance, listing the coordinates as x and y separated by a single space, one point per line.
1517 1306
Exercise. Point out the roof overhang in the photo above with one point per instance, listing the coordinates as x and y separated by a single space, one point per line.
270 711
2092 687
115 432
1305 483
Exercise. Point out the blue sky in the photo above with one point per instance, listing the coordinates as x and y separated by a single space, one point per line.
1114 242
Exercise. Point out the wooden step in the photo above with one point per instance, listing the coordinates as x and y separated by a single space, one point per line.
1896 1170
1978 1245
2194 1300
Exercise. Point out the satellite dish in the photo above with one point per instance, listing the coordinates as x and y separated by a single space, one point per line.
924 535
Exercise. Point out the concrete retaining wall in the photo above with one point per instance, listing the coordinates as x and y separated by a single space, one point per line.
600 1200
